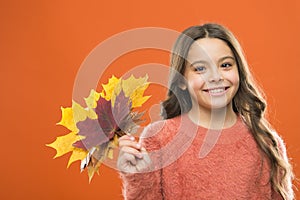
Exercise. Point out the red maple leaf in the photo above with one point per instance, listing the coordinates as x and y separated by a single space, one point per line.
121 111
93 133
110 121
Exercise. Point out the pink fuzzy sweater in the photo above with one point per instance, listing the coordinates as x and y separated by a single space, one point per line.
189 162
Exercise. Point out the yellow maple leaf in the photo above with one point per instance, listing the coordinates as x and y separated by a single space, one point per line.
67 119
116 92
91 100
137 97
93 169
112 144
133 88
94 164
74 114
64 144
77 154
109 88
80 113
131 84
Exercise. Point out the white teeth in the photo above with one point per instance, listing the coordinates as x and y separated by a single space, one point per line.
218 90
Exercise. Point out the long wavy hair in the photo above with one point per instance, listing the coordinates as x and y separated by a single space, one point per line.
248 101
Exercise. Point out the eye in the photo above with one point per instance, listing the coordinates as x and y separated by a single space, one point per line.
226 65
199 68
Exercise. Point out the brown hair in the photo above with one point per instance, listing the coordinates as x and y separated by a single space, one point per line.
248 101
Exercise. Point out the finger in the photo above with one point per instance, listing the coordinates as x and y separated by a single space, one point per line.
127 163
133 151
146 157
129 159
144 164
127 137
130 143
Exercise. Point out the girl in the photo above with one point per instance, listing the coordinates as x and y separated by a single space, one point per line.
214 141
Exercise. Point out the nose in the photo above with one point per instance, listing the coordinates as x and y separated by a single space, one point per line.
215 76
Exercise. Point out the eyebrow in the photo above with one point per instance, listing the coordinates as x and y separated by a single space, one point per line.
226 57
198 61
221 59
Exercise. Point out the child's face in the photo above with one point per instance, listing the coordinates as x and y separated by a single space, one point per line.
211 73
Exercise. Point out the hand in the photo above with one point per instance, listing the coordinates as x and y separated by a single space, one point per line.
133 158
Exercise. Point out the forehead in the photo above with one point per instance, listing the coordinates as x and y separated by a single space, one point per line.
208 49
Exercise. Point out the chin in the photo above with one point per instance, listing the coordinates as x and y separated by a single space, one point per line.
217 106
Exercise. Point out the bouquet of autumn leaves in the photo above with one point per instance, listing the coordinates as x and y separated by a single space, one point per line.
96 128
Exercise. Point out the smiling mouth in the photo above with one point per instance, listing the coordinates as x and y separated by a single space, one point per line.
219 90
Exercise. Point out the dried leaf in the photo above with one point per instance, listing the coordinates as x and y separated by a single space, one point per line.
93 170
121 110
137 96
80 113
63 144
135 88
132 87
92 132
77 154
84 162
105 117
109 88
131 84
100 153
103 129
96 128
112 144
96 159
91 100
67 119
131 123
70 116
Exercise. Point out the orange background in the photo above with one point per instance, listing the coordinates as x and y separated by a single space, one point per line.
44 43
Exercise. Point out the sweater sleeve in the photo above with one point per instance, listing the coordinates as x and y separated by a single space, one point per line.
146 185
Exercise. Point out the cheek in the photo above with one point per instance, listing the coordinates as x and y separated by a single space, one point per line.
195 86
234 78
196 82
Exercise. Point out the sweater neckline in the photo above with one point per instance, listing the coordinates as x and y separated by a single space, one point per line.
237 124
225 136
